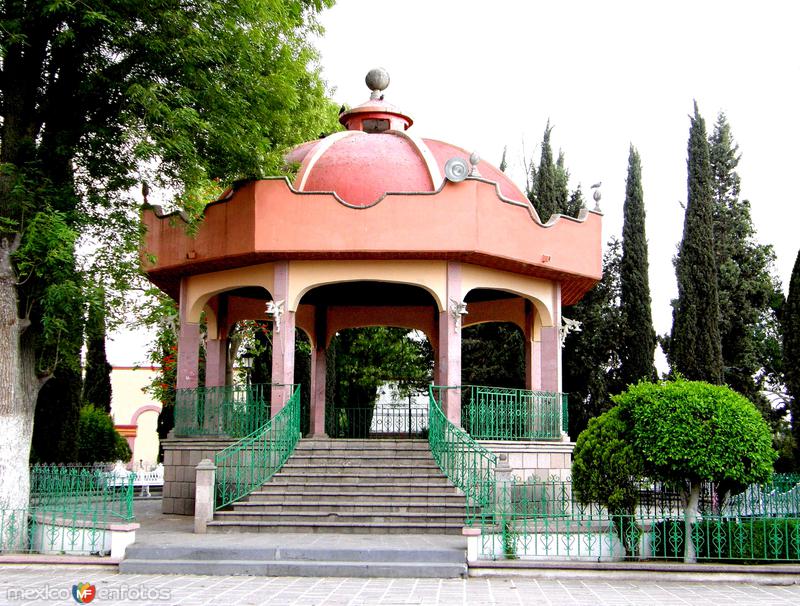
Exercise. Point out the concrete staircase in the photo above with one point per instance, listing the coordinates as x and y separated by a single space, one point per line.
351 486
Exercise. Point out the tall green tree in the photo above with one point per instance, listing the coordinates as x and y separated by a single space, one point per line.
97 379
96 96
791 353
748 291
638 336
547 186
695 349
591 361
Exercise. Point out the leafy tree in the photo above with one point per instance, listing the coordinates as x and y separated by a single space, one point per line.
591 357
547 186
791 353
493 354
695 349
638 336
93 101
366 358
97 380
606 468
97 440
748 292
691 432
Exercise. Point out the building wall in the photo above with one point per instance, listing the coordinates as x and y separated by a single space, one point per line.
131 406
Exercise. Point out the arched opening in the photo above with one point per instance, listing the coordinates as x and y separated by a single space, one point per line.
372 349
378 379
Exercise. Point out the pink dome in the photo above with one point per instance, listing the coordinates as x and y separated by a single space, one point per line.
377 155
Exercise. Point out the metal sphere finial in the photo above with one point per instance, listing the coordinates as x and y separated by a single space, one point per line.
377 80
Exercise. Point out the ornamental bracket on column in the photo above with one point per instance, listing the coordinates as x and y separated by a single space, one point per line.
568 326
457 309
275 309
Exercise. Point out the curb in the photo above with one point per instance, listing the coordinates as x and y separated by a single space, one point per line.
768 574
35 558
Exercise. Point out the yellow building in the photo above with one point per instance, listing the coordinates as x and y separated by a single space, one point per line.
135 412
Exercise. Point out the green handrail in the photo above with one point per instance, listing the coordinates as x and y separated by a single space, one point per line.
502 413
253 460
467 464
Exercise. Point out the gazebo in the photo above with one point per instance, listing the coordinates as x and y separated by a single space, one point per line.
378 227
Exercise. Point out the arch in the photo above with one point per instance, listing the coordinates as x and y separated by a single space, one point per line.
143 409
200 288
412 318
430 276
536 290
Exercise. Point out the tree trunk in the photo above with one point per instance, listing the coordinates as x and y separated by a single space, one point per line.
691 502
18 391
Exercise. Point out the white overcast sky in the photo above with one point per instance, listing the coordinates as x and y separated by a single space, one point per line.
484 75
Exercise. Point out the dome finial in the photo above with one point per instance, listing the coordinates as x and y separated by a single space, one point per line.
377 80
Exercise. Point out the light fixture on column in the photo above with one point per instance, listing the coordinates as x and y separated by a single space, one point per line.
457 309
275 309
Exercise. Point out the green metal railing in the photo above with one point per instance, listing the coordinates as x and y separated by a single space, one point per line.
230 410
542 520
400 420
467 464
500 413
253 460
69 511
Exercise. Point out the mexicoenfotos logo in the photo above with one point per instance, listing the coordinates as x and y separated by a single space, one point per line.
84 593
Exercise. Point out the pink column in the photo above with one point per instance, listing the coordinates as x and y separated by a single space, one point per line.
188 345
318 372
318 375
449 358
282 341
216 352
533 352
551 348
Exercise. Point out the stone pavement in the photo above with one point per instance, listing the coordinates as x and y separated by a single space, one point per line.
39 584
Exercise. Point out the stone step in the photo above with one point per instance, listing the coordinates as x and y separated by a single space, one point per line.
279 497
382 470
361 444
357 461
294 568
433 488
350 478
325 507
411 527
353 518
204 552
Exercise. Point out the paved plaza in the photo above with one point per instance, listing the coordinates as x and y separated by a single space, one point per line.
39 584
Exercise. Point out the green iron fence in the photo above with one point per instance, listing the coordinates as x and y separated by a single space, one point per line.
70 510
500 413
467 464
542 520
229 410
253 460
404 419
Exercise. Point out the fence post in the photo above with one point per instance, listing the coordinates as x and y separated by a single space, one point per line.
502 474
204 495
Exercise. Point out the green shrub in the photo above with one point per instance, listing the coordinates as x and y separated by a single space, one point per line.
98 440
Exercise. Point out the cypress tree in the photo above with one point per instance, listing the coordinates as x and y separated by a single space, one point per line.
695 349
747 289
638 335
591 356
543 194
791 353
547 186
97 381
